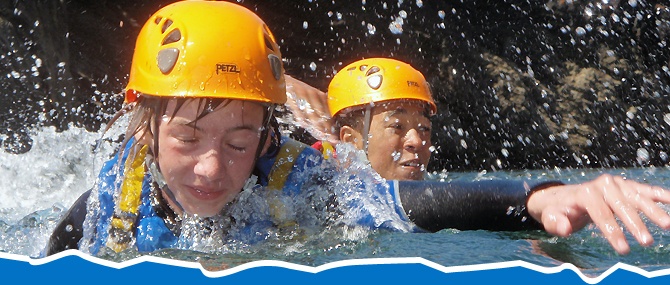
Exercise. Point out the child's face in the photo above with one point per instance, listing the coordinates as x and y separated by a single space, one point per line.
399 141
206 163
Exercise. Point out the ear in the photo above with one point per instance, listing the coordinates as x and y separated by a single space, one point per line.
352 136
266 146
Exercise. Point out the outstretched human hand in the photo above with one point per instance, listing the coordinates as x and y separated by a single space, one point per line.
309 107
565 209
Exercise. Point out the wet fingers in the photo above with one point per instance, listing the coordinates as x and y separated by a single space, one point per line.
602 216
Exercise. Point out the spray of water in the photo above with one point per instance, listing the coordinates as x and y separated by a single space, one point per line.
37 187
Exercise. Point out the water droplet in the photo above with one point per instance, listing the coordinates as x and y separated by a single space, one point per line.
588 12
305 25
396 155
312 66
441 14
371 29
642 155
396 26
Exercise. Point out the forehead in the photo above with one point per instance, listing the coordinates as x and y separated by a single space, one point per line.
217 112
399 108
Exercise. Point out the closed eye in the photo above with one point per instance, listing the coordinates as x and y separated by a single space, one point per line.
396 126
237 148
186 139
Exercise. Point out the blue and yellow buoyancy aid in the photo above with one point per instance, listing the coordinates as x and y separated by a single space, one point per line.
133 211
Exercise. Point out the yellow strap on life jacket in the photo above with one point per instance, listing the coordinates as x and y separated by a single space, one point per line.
327 149
132 184
284 161
288 153
126 211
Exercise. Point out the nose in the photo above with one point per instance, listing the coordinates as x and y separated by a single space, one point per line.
209 165
413 140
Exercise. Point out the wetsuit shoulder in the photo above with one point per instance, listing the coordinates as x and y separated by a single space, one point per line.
69 231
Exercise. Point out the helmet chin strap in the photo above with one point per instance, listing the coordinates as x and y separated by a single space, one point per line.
366 127
265 131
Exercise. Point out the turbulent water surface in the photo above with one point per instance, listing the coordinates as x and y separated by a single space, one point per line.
45 181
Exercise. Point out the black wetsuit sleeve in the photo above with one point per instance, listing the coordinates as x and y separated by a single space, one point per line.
498 205
70 229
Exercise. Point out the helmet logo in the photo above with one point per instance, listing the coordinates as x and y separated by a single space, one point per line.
227 68
412 83
275 66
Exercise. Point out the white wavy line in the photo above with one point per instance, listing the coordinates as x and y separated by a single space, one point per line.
338 264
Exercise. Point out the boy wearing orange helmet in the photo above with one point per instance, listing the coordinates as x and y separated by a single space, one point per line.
382 106
202 93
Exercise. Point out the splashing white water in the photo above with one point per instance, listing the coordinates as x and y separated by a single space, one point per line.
38 186
58 168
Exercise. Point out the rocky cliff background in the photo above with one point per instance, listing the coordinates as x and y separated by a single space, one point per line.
519 84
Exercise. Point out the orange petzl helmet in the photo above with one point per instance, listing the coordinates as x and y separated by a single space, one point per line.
376 80
207 49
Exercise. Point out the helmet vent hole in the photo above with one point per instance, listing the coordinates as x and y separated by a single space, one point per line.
167 58
373 70
363 67
172 37
166 25
158 20
268 44
275 66
375 81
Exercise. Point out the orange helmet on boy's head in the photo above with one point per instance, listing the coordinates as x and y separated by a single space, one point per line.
376 80
207 49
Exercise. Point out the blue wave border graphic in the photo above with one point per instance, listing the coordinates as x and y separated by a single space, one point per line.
75 267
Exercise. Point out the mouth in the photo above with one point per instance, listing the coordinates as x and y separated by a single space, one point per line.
412 164
204 193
